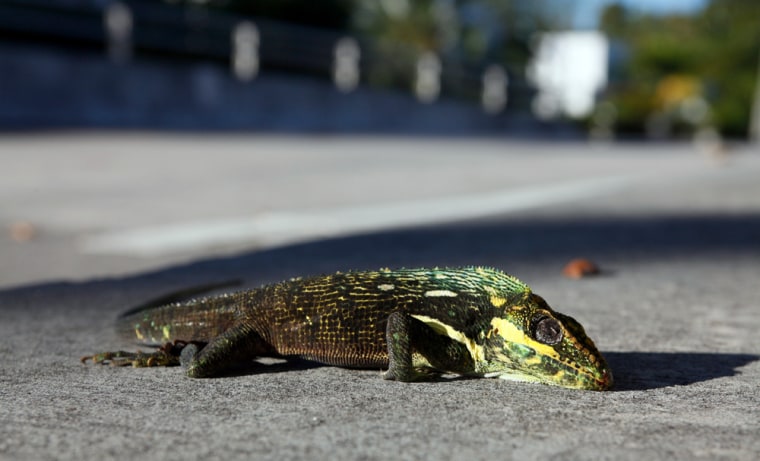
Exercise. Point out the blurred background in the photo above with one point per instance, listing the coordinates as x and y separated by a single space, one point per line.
137 133
530 68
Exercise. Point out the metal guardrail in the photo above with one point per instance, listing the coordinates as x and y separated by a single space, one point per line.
144 28
158 28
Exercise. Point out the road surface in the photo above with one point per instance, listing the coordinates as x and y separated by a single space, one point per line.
96 223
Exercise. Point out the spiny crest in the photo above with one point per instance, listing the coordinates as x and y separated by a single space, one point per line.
472 279
475 279
501 281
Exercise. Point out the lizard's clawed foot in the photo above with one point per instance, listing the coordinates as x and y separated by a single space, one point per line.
166 356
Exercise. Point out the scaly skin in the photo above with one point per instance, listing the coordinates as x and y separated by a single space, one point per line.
471 321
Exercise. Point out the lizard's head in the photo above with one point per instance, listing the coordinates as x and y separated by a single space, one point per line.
531 342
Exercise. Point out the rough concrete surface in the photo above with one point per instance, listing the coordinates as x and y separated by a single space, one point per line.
675 310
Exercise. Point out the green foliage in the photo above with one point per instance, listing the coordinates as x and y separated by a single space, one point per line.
400 34
464 34
718 46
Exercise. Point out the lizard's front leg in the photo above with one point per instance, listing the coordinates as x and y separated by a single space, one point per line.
234 346
406 335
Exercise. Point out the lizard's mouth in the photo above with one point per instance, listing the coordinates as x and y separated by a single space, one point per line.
586 381
600 380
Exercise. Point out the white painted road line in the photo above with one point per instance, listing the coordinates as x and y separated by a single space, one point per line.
285 227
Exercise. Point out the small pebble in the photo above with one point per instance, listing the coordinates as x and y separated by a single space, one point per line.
579 268
22 231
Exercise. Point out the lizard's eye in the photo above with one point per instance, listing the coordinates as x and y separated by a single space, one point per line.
546 330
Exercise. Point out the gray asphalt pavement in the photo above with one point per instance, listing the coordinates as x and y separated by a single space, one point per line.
95 224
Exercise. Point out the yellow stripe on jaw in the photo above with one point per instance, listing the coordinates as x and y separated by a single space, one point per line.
512 334
476 351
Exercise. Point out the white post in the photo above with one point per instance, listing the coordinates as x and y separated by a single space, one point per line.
245 51
428 84
494 97
117 21
346 64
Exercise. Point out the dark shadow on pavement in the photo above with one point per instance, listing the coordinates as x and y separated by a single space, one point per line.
639 371
505 243
508 243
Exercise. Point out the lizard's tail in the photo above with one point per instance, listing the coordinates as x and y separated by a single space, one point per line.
173 317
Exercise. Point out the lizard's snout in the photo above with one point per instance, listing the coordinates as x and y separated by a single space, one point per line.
606 381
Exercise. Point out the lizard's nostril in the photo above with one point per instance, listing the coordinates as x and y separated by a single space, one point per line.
607 379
